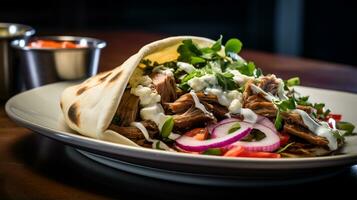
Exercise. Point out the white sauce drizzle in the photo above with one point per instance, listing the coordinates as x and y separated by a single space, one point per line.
145 132
267 95
228 114
162 146
174 136
322 130
249 115
155 113
281 93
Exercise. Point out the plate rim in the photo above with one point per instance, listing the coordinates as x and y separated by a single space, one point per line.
172 157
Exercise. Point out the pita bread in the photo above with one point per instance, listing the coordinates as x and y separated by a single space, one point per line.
89 107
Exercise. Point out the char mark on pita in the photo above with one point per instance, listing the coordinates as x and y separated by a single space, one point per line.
73 113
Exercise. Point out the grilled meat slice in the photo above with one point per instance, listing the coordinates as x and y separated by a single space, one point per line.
247 92
293 118
307 109
260 105
127 110
144 143
130 132
264 108
216 109
269 83
192 118
182 104
298 149
185 102
257 102
134 133
305 134
165 85
255 98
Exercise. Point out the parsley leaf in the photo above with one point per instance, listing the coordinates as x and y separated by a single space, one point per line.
258 72
248 69
319 106
197 60
183 85
278 121
244 68
217 46
283 106
286 105
303 101
187 50
225 80
207 53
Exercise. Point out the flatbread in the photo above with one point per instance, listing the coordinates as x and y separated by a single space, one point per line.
89 107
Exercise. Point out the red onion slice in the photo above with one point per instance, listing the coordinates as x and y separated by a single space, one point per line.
270 143
215 134
191 144
266 122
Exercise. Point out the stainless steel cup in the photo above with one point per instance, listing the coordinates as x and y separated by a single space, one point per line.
10 81
47 65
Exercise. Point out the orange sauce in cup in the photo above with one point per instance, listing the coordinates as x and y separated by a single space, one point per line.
54 44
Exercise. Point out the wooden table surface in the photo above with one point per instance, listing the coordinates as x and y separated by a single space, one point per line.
35 167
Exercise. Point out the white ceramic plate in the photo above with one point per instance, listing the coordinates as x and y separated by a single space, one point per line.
39 110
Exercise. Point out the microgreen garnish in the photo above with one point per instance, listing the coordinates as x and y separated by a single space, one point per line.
234 127
293 81
167 127
233 46
213 151
346 126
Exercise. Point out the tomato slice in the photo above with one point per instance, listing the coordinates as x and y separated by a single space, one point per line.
198 133
336 117
239 151
234 152
284 138
253 154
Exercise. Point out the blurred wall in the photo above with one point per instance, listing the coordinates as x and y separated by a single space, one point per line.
315 29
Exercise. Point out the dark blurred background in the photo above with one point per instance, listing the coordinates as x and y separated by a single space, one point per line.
315 29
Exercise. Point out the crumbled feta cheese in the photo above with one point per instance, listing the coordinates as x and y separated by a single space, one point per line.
185 67
235 106
200 83
147 95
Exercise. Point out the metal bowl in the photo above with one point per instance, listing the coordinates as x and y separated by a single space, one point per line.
9 79
47 65
11 31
